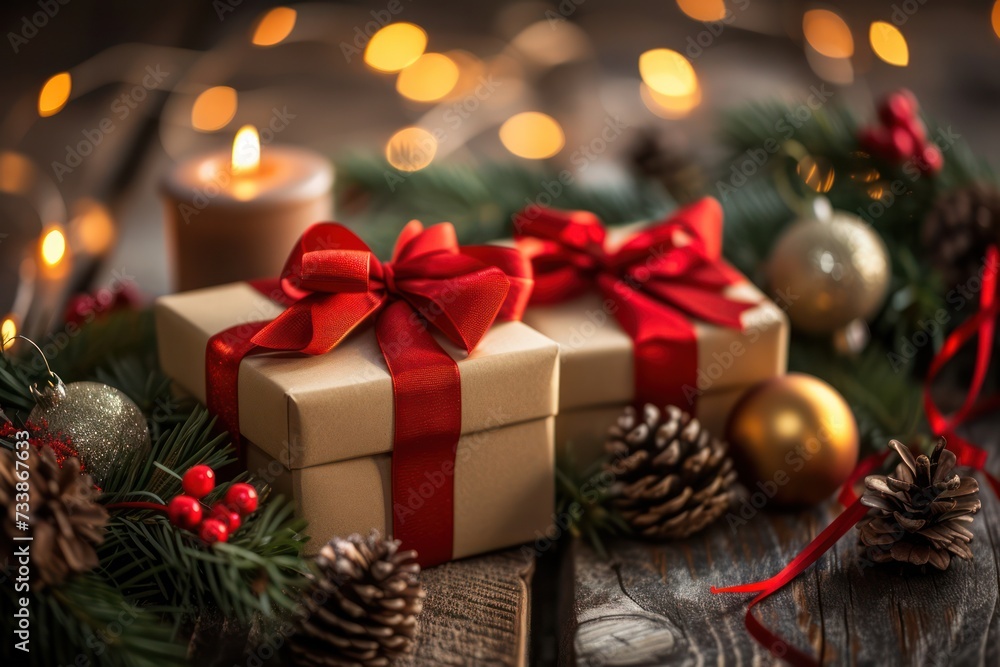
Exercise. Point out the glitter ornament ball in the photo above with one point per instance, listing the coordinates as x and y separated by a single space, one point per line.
829 270
103 424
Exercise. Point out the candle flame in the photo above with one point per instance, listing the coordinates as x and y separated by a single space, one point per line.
8 333
53 246
246 151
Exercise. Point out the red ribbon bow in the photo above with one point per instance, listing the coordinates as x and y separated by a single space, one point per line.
983 324
654 283
332 283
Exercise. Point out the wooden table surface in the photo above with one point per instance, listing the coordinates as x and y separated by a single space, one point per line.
650 604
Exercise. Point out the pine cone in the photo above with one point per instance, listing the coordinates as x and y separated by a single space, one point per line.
958 230
673 477
66 522
362 610
680 176
917 515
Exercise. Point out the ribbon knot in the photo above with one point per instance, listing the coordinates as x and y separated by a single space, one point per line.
331 284
654 284
389 278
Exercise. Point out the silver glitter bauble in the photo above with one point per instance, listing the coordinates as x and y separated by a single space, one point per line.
829 270
104 425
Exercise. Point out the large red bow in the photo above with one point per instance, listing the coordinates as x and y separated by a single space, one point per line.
654 284
332 283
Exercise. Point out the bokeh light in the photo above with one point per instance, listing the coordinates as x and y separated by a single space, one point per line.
548 47
395 46
411 149
92 228
53 245
274 26
214 108
889 44
816 172
667 72
55 94
532 135
826 32
995 18
431 77
703 10
8 333
670 106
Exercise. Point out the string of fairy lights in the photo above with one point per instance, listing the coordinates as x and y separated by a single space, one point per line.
668 85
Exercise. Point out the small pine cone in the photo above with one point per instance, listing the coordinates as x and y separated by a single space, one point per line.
672 477
918 516
680 176
958 230
362 610
65 520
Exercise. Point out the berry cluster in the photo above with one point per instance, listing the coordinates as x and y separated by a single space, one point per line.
224 518
902 136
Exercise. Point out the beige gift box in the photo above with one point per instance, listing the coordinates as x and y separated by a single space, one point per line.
327 421
597 377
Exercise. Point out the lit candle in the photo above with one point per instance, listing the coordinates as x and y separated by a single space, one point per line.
234 215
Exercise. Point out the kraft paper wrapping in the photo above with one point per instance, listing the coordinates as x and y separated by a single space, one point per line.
597 359
504 489
310 410
581 433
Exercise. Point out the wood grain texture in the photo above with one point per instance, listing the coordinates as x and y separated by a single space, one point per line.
650 604
477 612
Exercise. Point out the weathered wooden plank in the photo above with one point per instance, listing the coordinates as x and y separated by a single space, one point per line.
477 612
650 604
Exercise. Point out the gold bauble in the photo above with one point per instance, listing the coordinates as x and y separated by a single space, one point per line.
794 439
828 269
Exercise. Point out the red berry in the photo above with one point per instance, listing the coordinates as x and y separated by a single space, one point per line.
184 512
903 144
897 109
931 160
199 481
242 498
228 516
213 530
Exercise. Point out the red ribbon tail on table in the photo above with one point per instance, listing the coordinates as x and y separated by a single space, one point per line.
819 546
983 324
427 395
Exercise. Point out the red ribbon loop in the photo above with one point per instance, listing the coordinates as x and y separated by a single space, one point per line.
656 281
331 284
983 324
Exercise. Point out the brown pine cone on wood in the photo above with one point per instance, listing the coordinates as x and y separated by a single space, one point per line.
958 230
362 610
672 477
65 520
919 514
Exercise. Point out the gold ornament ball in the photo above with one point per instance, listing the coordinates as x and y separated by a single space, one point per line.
829 270
794 438
104 425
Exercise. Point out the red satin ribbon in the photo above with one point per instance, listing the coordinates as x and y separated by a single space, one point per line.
983 324
331 284
659 280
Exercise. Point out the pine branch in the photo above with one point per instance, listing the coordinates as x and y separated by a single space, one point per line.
258 570
480 200
86 621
